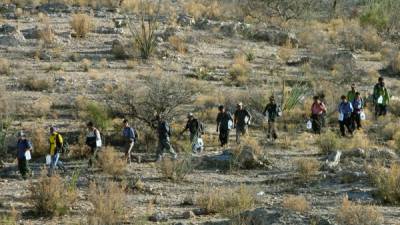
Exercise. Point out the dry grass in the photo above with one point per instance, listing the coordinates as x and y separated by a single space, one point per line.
359 140
240 70
110 162
175 170
211 10
51 196
40 142
178 44
387 181
328 142
42 106
354 214
46 34
86 64
82 24
307 168
5 68
296 203
395 63
227 201
34 84
108 203
10 218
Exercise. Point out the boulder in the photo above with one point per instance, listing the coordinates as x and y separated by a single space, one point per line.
248 160
185 20
109 30
14 39
357 152
7 29
382 153
31 33
158 217
206 24
188 215
231 29
274 36
259 216
118 49
54 8
333 160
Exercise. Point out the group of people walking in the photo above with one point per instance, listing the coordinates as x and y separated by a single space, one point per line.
350 112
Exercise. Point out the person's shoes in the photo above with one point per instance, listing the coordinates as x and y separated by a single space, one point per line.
175 157
159 158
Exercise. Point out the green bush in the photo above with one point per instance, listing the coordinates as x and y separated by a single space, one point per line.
95 112
376 17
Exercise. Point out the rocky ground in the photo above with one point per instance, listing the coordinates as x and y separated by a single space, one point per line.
211 46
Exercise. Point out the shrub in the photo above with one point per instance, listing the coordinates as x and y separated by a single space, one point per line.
375 16
110 162
85 65
328 142
198 10
95 112
387 181
240 70
178 44
394 64
34 84
307 168
227 201
51 196
354 214
46 34
39 142
296 203
351 35
176 170
4 67
82 24
108 203
42 106
239 160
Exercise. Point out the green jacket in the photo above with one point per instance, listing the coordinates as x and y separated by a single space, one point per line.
381 91
351 95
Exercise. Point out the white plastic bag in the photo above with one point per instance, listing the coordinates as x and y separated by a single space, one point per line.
341 117
362 116
247 120
230 124
380 99
48 159
28 155
199 145
309 124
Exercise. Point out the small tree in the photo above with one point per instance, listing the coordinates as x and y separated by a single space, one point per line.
157 95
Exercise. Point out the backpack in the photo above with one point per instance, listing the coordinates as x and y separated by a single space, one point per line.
135 134
65 145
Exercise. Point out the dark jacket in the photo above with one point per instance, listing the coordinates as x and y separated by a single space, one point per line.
163 130
223 120
193 126
240 116
273 111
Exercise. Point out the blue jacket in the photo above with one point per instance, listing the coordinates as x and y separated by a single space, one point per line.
358 105
346 109
22 146
129 133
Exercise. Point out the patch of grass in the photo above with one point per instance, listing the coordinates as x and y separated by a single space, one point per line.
10 218
108 203
86 64
227 201
354 214
240 70
328 142
296 203
32 83
40 142
93 111
395 63
5 68
307 168
110 162
175 170
178 44
82 24
51 196
387 181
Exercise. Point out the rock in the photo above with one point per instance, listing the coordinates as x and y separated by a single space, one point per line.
11 16
158 217
45 55
357 152
206 24
188 215
229 29
169 32
118 49
332 161
221 162
13 39
120 23
200 212
298 61
274 36
7 8
219 222
185 20
31 33
54 8
248 160
259 216
7 29
343 57
180 223
109 30
383 153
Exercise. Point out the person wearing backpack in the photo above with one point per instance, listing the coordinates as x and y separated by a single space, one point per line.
345 116
380 98
272 111
196 129
56 148
164 134
93 140
358 105
224 119
317 112
23 147
130 137
241 121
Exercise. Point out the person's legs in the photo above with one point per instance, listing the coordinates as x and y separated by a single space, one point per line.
348 123
168 148
269 130
129 147
59 163
384 110
238 134
22 166
342 131
274 133
357 119
317 124
193 141
160 150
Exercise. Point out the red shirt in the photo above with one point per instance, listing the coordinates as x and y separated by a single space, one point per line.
318 108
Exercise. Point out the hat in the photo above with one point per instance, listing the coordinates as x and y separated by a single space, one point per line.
240 104
190 115
272 97
21 134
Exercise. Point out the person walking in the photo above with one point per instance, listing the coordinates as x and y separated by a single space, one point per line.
381 98
23 147
358 106
164 143
195 129
318 109
351 95
241 121
56 144
93 140
271 111
224 125
345 116
130 136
